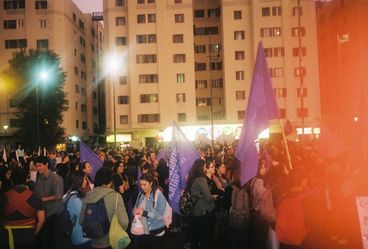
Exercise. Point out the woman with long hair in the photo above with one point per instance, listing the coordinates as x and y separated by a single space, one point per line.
87 184
203 205
150 210
121 185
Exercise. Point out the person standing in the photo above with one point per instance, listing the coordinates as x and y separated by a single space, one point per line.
49 187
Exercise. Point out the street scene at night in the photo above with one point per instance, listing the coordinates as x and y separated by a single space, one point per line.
183 124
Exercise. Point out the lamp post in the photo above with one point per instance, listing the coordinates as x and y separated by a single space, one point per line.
5 129
43 76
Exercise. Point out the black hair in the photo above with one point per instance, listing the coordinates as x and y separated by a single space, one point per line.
195 172
42 159
103 176
19 176
75 182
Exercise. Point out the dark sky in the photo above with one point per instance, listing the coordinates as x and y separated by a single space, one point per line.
88 6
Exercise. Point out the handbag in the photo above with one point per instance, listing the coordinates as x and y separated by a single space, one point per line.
119 238
137 226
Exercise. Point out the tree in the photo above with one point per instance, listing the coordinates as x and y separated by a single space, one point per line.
37 75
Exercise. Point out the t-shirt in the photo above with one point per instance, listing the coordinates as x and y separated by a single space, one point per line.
17 217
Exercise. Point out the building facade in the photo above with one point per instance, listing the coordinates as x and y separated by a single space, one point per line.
192 62
59 26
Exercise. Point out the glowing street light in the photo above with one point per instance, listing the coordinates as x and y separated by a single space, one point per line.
43 77
5 129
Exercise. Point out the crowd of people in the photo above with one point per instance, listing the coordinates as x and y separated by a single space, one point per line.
294 201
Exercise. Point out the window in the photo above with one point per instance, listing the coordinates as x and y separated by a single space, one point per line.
81 24
302 112
182 117
77 124
140 1
177 1
241 115
10 24
14 4
21 43
239 35
206 31
271 32
297 11
280 92
76 105
82 42
203 117
83 108
296 31
217 83
123 100
83 58
141 18
14 123
119 3
180 78
148 78
74 17
179 18
216 65
149 98
123 119
276 11
201 84
84 125
120 41
201 102
213 13
266 11
43 24
180 98
179 58
119 20
239 55
43 44
237 15
239 95
178 38
141 39
214 48
151 18
83 75
276 72
83 92
150 1
200 66
76 71
151 38
200 49
123 80
296 51
41 4
149 118
302 92
217 101
239 75
279 51
297 71
268 52
282 112
146 58
199 13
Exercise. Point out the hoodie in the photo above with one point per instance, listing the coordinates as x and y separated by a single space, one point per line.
109 196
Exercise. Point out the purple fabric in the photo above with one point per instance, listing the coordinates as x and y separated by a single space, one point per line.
162 154
86 154
261 108
181 161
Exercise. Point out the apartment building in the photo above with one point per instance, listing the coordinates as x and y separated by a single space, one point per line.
192 62
59 26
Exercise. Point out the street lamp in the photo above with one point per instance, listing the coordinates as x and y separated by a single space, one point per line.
113 65
43 75
5 129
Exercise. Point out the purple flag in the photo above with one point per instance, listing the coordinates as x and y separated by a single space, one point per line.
183 155
261 108
86 154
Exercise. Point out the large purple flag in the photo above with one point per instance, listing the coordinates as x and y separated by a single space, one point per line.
86 154
183 155
261 108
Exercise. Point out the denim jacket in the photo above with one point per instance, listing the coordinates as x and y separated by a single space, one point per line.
74 206
153 214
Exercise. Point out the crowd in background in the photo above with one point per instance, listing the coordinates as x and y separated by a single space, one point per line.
225 213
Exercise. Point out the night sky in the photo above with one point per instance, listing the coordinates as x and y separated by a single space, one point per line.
88 6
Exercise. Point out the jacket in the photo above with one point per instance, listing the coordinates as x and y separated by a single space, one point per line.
109 196
201 197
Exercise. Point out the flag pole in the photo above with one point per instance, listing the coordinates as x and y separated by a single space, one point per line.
286 144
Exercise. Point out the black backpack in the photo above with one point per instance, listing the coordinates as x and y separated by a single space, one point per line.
64 223
186 203
96 223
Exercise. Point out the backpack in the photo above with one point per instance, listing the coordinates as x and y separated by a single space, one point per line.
239 215
96 223
168 210
64 222
290 224
186 203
